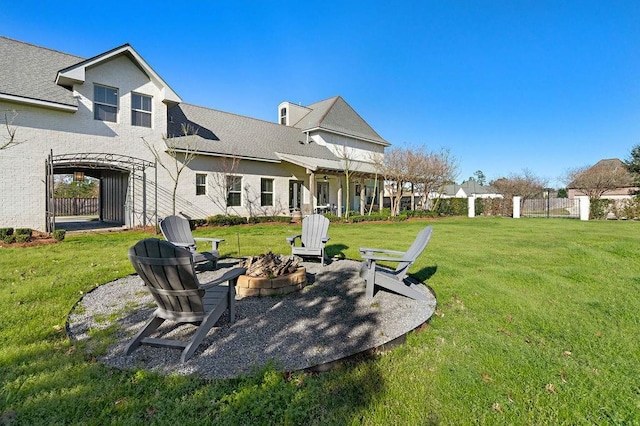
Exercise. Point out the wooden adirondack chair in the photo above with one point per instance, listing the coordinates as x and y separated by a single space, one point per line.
393 280
169 274
177 231
313 238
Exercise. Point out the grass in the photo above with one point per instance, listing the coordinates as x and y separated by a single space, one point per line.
537 323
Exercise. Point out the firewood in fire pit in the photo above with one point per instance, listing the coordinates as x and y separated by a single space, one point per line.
271 265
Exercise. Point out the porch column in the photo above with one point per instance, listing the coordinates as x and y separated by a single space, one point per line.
362 198
339 200
413 199
381 196
312 189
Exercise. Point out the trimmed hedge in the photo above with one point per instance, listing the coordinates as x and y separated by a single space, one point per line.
265 219
24 231
59 234
226 220
5 232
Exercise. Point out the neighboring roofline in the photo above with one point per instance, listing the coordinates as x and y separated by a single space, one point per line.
216 154
75 74
38 103
364 138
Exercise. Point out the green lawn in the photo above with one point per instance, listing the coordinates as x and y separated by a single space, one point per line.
537 323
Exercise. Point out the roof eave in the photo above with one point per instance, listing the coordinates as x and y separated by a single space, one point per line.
38 103
364 138
218 154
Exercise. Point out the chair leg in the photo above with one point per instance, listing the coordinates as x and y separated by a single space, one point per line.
204 327
370 277
231 299
151 326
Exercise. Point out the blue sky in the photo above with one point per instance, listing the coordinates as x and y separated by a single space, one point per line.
503 85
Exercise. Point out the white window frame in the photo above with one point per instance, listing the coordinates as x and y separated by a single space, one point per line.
97 104
232 180
141 110
264 193
201 187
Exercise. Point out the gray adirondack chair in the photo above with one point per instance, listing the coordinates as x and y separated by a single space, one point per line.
177 231
169 274
313 238
393 280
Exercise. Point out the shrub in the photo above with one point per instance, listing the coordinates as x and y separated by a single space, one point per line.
59 234
598 209
8 239
399 218
263 219
226 220
5 231
333 218
23 238
194 223
453 207
24 231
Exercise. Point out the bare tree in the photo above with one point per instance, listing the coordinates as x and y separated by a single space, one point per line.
9 139
221 182
394 170
594 181
436 169
525 185
181 151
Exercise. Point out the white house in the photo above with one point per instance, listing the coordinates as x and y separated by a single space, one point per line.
103 117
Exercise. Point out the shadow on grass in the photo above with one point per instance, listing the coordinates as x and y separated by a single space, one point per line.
335 250
425 273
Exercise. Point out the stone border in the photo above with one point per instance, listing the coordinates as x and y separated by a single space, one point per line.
278 286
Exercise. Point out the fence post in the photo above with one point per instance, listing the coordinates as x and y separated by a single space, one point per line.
516 207
585 207
472 206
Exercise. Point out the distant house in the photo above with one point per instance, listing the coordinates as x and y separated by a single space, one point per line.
98 117
468 189
625 190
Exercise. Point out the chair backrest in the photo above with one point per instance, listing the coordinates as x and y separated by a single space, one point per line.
418 246
314 228
176 229
169 274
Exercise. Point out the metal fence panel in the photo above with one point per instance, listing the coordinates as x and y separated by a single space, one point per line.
552 207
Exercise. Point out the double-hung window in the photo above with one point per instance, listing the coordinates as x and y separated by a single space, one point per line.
140 110
105 103
201 184
266 192
234 186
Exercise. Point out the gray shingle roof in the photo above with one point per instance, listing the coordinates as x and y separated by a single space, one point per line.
336 115
223 133
29 71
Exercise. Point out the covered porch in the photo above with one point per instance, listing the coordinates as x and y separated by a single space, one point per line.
334 186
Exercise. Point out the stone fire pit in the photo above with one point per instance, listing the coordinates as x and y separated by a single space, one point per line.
271 275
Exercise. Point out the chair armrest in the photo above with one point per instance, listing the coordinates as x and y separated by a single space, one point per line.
292 238
214 241
325 239
377 250
183 245
230 275
383 258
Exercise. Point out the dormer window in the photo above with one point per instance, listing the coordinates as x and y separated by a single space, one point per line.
283 116
105 103
140 110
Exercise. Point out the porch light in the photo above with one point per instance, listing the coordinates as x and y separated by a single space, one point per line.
325 178
78 176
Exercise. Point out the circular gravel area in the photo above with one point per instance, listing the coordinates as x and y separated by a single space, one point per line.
329 320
